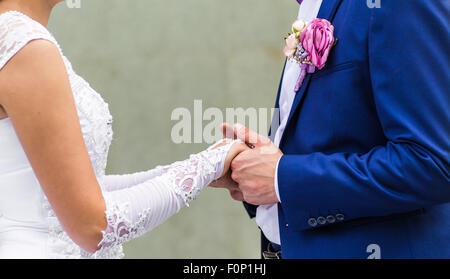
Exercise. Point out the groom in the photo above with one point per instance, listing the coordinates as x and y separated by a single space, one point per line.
359 166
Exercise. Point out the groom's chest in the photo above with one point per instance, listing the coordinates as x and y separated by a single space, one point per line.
335 109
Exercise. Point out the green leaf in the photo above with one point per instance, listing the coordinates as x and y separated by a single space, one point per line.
335 42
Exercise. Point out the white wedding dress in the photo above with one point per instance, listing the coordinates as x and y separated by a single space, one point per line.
135 203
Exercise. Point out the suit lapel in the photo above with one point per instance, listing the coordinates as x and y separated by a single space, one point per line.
327 11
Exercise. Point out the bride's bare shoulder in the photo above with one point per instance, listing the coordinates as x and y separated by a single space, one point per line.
31 67
28 56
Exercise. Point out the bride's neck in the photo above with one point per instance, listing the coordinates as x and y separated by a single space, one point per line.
38 10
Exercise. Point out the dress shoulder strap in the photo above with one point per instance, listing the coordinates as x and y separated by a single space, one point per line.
16 31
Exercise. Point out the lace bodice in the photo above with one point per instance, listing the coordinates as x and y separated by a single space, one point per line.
136 203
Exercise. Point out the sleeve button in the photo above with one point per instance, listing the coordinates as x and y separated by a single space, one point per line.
321 220
340 217
312 222
331 219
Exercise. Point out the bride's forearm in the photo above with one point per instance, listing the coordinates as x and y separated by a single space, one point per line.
133 211
116 182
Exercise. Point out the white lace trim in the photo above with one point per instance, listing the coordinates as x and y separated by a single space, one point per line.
61 246
16 31
190 176
120 229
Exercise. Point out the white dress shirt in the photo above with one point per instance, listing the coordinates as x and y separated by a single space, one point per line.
267 215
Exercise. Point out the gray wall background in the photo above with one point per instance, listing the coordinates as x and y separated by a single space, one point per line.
148 57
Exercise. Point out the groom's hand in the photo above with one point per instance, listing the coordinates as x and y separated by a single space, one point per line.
227 183
254 169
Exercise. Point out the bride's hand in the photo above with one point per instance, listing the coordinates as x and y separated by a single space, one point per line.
234 150
225 181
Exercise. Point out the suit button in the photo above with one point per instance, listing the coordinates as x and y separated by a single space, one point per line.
340 217
331 219
321 220
312 222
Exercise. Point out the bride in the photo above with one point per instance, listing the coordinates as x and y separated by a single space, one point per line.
55 132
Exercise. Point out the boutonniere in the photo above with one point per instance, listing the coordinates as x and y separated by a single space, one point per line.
309 45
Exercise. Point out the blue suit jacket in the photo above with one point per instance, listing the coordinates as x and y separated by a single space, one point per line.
365 170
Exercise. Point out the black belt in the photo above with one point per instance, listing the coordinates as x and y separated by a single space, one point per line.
271 253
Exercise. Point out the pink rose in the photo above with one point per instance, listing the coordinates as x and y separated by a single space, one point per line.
317 39
291 45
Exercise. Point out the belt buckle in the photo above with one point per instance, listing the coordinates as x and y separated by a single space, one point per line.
270 254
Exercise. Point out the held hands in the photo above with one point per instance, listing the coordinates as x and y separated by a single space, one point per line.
252 170
225 181
235 150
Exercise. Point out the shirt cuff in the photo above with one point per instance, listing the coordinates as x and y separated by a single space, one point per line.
276 180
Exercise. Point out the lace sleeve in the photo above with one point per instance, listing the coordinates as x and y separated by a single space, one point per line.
133 211
16 31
